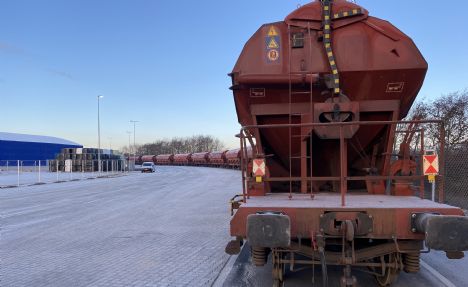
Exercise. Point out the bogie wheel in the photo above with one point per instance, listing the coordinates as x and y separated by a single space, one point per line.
390 269
278 269
277 283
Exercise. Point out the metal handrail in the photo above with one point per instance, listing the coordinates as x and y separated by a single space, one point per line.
343 178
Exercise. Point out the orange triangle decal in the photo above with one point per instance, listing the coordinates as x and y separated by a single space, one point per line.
272 32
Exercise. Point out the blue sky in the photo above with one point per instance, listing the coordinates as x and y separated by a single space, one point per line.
165 63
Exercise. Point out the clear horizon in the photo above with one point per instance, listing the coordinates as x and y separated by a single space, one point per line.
165 64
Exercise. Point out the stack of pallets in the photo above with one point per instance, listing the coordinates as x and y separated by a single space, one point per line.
86 160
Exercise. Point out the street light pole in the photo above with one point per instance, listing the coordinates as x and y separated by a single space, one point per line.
129 145
99 133
129 150
134 142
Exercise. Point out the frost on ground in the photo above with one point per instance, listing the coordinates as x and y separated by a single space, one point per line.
31 175
163 229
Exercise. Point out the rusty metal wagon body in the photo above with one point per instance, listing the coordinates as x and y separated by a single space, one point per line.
183 159
233 158
218 158
335 175
164 159
200 158
148 158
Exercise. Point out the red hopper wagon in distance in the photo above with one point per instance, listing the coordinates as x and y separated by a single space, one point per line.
233 158
164 159
149 158
183 159
200 158
136 159
321 96
218 158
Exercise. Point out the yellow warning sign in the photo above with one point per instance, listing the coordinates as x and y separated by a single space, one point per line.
431 178
272 32
272 44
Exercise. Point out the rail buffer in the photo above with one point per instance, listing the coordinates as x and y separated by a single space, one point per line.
443 232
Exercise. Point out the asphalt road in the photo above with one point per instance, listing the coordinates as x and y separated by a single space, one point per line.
163 229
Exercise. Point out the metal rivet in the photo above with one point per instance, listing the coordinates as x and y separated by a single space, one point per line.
321 215
413 215
413 229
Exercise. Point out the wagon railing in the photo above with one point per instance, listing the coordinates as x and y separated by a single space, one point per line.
399 131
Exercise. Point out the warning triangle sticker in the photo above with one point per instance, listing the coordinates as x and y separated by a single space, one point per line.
430 169
272 44
430 158
272 32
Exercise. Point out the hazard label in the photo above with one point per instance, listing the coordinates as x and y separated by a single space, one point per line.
272 32
273 44
430 164
273 55
258 168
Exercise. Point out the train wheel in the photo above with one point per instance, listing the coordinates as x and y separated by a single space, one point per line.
277 283
389 269
278 269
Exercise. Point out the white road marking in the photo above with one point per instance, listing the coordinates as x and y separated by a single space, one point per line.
439 276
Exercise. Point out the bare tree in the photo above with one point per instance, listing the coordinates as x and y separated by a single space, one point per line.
452 109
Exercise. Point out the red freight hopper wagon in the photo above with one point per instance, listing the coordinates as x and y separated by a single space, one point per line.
200 158
233 157
164 159
218 158
183 159
149 158
135 159
321 96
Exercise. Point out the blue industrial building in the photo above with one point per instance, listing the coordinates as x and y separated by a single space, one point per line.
26 148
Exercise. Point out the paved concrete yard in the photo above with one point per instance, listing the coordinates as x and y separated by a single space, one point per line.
163 229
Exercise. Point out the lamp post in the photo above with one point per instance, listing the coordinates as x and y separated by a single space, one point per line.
134 142
129 150
129 145
99 132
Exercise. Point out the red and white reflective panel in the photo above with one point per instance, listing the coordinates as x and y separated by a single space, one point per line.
258 168
430 164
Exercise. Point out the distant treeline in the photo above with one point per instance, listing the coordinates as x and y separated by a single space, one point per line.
197 143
